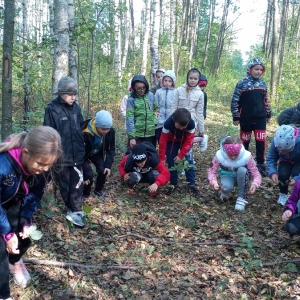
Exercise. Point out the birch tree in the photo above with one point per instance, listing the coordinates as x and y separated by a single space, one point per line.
126 34
7 48
146 37
172 34
154 41
61 43
117 53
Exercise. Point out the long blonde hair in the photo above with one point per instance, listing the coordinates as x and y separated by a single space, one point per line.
39 141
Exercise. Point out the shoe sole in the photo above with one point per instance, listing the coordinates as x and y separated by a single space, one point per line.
76 224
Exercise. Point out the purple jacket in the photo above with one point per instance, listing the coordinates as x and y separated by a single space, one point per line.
293 199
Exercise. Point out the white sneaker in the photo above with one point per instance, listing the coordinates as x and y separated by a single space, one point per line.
76 218
203 143
20 273
240 204
282 199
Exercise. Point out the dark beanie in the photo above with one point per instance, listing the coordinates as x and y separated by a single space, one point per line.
67 85
139 153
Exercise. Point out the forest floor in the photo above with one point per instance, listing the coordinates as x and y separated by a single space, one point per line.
154 248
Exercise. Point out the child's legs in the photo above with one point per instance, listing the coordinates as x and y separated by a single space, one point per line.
87 175
150 139
260 140
292 226
284 174
4 271
295 169
245 135
242 178
134 179
190 172
150 177
227 184
101 178
158 134
171 153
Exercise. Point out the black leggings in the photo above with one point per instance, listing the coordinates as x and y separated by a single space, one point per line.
285 171
292 226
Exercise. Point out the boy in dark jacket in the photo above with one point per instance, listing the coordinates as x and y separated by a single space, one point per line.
289 116
250 109
99 138
144 165
64 115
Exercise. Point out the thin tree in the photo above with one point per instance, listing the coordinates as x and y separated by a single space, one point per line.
172 34
146 37
117 53
126 34
8 37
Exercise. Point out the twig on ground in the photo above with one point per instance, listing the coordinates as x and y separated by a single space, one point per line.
273 263
161 241
67 265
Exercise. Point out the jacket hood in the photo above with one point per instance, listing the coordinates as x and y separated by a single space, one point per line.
139 78
193 70
253 62
203 77
171 74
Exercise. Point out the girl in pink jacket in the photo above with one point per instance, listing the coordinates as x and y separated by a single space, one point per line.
234 165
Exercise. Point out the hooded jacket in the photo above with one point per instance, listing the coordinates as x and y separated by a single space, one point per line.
15 184
250 101
273 156
225 166
289 116
203 78
293 202
164 98
193 101
102 146
67 119
153 162
140 111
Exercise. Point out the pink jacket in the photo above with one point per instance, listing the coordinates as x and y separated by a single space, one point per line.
251 166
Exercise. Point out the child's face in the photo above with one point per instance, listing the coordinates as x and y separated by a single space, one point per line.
256 71
167 82
159 76
232 157
180 127
141 163
102 131
193 79
140 88
69 98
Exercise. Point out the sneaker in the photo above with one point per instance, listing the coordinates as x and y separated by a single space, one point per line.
20 273
194 190
203 143
99 194
76 218
240 204
262 170
282 199
170 190
223 197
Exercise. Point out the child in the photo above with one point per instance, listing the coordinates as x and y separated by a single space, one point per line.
233 163
250 109
291 212
124 102
163 99
140 113
64 115
23 159
283 159
158 76
177 135
289 116
144 165
99 138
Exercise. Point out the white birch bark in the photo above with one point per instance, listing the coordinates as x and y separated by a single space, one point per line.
126 35
172 24
117 53
146 37
61 43
154 42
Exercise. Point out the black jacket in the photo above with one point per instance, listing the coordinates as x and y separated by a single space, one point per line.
290 115
67 119
107 150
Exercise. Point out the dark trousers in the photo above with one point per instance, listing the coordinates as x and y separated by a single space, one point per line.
259 129
148 177
150 139
13 216
88 175
285 171
158 132
70 187
172 152
292 226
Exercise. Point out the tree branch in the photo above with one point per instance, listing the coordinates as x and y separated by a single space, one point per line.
273 263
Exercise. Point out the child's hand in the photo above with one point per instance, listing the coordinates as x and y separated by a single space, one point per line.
107 172
252 189
274 178
152 188
176 159
24 234
291 182
12 245
216 186
87 182
286 215
132 143
127 176
236 123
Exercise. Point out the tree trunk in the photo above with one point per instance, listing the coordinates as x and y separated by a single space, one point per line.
267 28
194 29
7 48
117 54
61 43
126 35
154 42
146 37
172 34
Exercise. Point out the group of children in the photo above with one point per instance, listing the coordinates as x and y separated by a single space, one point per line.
66 146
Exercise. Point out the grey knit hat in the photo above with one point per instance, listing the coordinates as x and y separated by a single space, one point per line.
67 85
284 137
171 74
103 119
